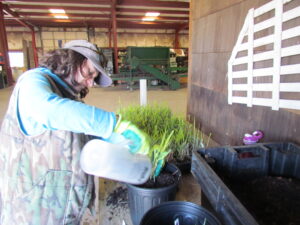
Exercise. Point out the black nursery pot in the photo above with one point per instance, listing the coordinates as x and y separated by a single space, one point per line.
185 167
178 212
140 199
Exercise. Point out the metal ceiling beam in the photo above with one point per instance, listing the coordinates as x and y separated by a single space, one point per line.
176 41
148 25
180 27
149 3
4 47
36 20
19 20
89 2
29 14
114 30
103 24
97 9
159 18
161 11
46 7
61 23
144 3
16 17
183 26
125 13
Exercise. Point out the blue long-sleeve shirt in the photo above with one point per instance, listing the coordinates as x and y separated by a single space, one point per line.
39 109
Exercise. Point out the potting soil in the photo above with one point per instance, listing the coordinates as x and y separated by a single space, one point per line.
164 179
270 200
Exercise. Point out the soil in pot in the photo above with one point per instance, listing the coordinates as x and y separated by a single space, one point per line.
270 200
164 179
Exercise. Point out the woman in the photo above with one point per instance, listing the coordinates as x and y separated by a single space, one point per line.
44 129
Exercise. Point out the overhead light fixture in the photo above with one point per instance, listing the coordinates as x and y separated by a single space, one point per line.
61 16
152 14
62 21
148 18
59 11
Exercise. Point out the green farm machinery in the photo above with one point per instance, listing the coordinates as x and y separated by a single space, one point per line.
150 63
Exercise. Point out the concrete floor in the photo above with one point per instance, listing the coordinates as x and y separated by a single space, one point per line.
111 99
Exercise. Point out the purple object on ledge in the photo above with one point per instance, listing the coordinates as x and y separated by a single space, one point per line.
253 138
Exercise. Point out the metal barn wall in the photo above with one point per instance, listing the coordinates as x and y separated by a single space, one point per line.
214 28
48 38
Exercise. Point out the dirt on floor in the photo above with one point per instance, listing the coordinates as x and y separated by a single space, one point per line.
117 200
114 208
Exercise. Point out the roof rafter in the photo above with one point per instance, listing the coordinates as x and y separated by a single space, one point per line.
149 3
98 13
16 16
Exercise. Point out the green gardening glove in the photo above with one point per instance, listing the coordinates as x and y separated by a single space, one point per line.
138 140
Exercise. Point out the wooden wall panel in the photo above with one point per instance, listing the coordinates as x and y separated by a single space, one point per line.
215 26
204 8
218 32
209 64
197 35
228 123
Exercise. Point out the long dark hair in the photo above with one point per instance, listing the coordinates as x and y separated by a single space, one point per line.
64 63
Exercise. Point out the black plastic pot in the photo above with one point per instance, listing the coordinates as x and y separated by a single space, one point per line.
178 212
185 167
140 199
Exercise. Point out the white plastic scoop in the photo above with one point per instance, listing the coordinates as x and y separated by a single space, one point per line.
114 162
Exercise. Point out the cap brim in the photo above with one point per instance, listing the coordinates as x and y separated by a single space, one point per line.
103 79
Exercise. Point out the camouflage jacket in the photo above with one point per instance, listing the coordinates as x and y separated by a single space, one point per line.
41 181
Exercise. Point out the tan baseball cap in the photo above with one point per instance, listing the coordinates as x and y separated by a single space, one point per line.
91 52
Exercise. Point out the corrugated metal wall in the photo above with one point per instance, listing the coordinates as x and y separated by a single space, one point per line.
48 38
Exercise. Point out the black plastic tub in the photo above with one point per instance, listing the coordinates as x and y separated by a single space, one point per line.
141 199
185 167
179 212
221 171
